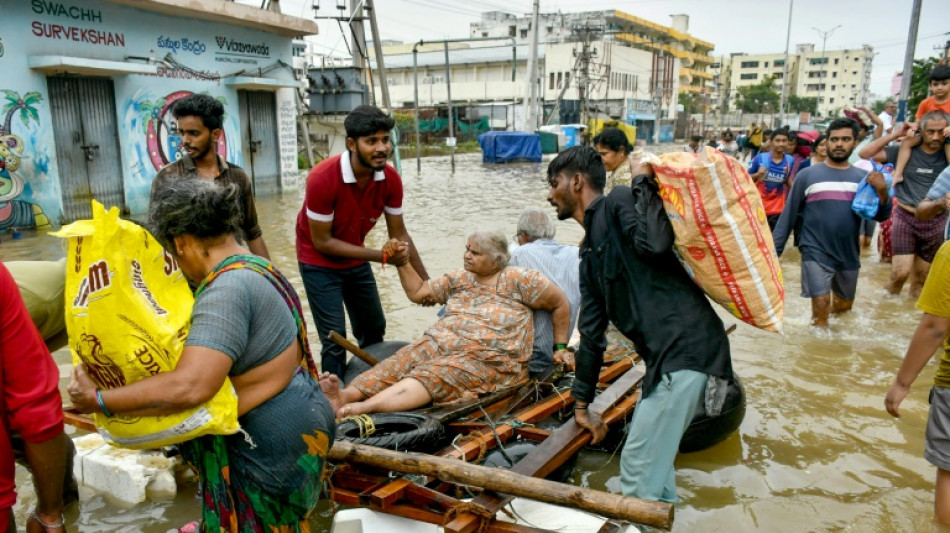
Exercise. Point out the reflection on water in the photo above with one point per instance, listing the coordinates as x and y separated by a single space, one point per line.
816 452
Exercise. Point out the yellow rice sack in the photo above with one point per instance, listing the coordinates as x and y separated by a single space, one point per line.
722 237
128 310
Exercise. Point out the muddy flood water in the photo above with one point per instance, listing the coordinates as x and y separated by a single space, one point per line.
816 452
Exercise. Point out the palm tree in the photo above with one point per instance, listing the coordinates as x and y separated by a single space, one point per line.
25 105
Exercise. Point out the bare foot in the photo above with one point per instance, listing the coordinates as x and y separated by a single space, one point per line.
330 385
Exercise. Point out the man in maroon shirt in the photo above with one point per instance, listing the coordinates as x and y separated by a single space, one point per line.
31 407
346 195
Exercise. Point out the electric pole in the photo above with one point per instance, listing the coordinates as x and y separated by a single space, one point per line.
788 38
821 76
908 63
531 88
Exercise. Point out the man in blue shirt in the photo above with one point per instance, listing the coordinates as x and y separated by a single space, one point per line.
819 210
538 250
772 172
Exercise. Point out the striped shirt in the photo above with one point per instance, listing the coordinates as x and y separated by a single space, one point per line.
559 263
819 210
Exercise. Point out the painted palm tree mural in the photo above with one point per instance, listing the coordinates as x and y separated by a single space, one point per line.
16 213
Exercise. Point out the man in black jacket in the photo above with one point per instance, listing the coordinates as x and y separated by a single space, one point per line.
630 276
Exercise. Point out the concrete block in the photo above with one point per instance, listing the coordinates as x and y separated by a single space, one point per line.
130 476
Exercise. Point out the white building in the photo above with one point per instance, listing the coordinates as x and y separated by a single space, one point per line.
838 78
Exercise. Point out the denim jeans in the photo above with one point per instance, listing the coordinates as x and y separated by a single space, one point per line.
328 291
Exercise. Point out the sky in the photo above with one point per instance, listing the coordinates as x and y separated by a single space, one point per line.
750 26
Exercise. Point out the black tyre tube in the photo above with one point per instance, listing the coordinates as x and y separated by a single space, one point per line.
518 450
395 431
705 431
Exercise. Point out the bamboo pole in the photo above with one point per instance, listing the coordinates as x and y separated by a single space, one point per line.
656 514
352 348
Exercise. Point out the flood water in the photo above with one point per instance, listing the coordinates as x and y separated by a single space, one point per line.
816 452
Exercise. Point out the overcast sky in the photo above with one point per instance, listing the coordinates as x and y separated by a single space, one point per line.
751 26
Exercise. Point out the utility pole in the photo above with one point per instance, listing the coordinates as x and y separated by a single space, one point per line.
824 38
657 92
531 89
583 85
908 63
788 37
448 99
378 48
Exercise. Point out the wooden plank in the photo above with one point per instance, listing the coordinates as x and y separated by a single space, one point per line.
656 514
79 421
553 452
389 494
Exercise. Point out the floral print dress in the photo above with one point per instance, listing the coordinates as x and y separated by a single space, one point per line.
482 343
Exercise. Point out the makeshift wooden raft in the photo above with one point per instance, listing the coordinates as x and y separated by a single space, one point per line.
425 487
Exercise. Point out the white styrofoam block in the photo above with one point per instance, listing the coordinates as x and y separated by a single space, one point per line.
127 475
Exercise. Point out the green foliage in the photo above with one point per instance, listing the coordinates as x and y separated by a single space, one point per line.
405 121
760 97
878 105
919 83
799 104
690 102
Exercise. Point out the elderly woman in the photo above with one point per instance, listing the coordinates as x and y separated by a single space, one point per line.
483 341
614 150
246 325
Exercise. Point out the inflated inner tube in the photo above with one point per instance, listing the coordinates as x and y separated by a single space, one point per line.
518 450
393 431
705 431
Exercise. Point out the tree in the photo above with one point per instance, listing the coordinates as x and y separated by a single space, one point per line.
800 104
920 83
24 105
690 103
758 97
878 105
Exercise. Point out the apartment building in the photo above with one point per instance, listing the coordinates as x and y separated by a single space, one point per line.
837 78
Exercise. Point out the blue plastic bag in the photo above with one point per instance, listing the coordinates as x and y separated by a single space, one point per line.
866 202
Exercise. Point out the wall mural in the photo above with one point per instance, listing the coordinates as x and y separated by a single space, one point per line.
152 142
16 208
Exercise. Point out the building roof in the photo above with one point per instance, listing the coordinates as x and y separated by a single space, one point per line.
229 13
461 56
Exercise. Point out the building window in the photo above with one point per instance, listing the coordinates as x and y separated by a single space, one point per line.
512 31
750 76
853 86
856 60
750 64
832 87
818 60
831 100
484 34
778 62
834 74
766 65
524 34
817 74
551 81
778 75
854 72
558 80
836 61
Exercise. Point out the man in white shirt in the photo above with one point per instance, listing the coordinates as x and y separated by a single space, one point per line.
887 116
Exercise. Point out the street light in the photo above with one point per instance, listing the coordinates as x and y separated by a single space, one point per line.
824 38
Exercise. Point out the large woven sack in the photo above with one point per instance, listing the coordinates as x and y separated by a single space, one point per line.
722 237
128 310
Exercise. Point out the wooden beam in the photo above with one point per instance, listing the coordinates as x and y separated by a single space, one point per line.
656 514
353 349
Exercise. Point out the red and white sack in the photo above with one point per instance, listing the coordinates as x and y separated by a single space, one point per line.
722 237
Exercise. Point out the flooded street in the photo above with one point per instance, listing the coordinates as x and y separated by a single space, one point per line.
816 452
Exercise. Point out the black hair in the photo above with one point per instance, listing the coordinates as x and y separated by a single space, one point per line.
194 207
582 160
820 138
781 131
366 120
203 106
940 73
842 123
614 139
793 136
697 138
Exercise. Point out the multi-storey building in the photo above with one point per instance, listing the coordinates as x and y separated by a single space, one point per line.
837 78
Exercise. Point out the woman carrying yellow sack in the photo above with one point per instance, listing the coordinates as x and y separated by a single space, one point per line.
247 325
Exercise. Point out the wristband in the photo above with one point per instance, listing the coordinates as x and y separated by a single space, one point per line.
559 347
385 257
102 404
60 524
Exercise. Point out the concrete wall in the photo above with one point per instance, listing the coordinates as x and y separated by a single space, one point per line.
110 32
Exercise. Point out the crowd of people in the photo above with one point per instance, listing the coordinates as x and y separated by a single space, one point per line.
506 315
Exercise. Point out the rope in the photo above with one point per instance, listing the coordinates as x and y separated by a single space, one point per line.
501 446
464 439
485 516
364 423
